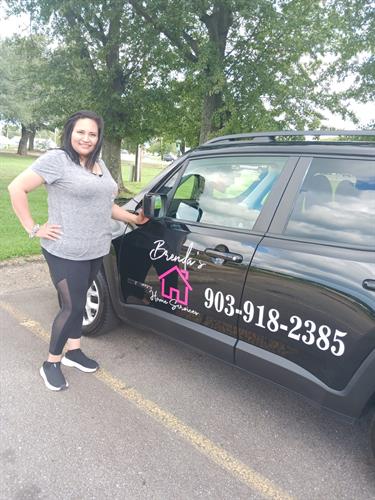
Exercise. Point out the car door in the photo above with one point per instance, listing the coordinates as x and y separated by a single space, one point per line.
187 270
310 292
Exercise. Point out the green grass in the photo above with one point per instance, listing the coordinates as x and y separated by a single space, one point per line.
14 242
149 171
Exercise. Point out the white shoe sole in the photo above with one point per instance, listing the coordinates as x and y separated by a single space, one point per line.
68 362
48 385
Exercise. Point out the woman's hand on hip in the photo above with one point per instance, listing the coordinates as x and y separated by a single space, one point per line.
49 231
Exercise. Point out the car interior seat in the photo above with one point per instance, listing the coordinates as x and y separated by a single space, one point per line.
345 189
318 191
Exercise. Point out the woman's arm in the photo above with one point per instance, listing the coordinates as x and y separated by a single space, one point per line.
18 190
119 213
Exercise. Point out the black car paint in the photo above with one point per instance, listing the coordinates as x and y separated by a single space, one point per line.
284 273
304 279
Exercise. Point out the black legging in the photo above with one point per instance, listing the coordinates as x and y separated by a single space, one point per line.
72 279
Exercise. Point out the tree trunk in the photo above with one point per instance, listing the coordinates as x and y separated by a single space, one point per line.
112 159
32 138
211 104
218 24
22 146
138 163
113 115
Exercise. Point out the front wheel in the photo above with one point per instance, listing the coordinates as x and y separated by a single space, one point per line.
99 316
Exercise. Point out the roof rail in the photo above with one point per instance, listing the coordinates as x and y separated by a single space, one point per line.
271 136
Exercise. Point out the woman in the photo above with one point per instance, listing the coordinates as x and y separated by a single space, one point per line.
81 193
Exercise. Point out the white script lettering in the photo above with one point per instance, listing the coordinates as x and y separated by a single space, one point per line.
160 251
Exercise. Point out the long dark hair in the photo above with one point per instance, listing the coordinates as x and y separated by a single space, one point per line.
66 139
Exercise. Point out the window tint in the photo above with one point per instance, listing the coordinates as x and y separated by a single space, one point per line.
228 192
336 203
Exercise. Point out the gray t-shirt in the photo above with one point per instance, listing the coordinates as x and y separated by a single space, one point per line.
80 202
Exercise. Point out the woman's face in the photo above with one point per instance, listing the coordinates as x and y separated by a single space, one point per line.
85 136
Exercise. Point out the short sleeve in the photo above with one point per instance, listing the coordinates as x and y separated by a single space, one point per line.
50 165
115 185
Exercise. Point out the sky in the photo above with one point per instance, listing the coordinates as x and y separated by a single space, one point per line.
364 111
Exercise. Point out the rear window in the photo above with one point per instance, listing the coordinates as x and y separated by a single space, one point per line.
336 203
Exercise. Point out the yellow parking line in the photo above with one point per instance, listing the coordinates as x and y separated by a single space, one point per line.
215 453
35 327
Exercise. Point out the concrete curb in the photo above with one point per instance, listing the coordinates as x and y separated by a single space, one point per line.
21 261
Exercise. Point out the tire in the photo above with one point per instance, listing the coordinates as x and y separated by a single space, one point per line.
99 316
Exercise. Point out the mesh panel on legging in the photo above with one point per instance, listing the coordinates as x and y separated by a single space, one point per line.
68 322
72 280
59 334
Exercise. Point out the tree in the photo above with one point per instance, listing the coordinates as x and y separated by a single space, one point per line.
256 64
189 69
109 55
198 32
21 91
355 54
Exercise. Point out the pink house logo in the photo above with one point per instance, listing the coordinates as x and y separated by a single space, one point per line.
170 292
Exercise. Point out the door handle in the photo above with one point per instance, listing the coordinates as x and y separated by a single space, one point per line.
232 257
369 285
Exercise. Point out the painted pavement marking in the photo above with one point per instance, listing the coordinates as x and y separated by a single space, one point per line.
215 453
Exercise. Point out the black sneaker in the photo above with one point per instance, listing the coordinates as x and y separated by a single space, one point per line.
79 360
52 376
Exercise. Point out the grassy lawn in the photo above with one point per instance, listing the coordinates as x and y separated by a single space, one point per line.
14 242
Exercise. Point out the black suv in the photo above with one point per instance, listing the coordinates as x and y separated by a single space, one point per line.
260 250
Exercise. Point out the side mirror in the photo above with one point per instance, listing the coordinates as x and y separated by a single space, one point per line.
154 205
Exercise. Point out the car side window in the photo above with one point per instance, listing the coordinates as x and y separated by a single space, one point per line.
227 191
336 203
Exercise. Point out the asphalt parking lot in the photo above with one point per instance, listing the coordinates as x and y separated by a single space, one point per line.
158 421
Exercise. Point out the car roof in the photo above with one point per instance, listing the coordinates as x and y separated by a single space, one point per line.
261 142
